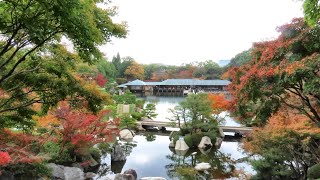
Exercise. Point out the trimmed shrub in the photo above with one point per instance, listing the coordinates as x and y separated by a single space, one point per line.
314 172
185 130
196 139
188 140
136 115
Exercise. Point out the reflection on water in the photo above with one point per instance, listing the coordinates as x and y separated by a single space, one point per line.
150 155
163 104
155 158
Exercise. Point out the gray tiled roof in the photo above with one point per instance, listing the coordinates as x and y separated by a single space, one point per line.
153 83
194 82
179 82
136 82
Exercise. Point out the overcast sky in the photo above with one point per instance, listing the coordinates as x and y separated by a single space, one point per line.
183 31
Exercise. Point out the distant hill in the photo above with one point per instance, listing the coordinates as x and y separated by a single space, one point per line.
223 63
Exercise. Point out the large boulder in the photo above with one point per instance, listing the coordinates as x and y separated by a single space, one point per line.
57 171
126 134
132 172
118 153
73 173
205 142
181 145
124 177
202 166
66 173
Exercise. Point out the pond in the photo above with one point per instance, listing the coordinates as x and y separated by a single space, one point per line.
149 153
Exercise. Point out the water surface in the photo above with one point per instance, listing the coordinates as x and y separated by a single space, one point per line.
150 155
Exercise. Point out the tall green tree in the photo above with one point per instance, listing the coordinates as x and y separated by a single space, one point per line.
107 69
34 68
311 9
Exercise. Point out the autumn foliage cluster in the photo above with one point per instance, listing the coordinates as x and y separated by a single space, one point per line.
291 140
219 103
278 90
282 72
72 131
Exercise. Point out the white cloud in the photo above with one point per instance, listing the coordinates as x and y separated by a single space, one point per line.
180 31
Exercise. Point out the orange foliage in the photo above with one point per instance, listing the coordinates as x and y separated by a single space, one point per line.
280 125
219 103
46 121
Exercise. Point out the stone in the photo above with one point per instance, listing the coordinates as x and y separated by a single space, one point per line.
132 172
145 119
221 132
57 171
205 142
139 126
66 173
181 145
118 154
124 177
202 166
126 134
73 173
205 151
218 142
152 178
171 144
89 175
181 152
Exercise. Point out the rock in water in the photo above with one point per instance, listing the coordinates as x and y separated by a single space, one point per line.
118 154
221 132
126 134
124 177
181 145
139 126
171 145
132 172
218 142
205 142
202 166
152 178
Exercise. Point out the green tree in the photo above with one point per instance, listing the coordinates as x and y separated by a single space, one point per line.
34 68
149 69
107 69
311 9
149 111
196 113
240 58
